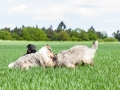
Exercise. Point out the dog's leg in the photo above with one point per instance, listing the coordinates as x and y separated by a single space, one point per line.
42 64
90 62
70 65
25 66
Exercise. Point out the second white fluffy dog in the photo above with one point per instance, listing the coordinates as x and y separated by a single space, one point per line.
79 53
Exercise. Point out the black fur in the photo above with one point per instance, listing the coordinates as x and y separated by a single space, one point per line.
31 49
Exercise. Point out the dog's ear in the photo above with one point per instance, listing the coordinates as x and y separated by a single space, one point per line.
28 45
95 45
47 46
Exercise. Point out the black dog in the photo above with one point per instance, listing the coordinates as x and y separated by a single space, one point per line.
31 49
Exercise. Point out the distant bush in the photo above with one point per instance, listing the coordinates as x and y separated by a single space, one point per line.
110 40
73 38
100 40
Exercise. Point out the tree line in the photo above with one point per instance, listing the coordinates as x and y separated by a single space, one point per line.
60 34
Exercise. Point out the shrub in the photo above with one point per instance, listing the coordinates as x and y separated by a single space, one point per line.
110 40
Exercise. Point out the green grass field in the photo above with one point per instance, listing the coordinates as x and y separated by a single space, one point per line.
104 75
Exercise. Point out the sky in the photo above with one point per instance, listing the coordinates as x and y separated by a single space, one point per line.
103 15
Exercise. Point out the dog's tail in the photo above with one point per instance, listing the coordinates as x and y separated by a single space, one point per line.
95 45
11 65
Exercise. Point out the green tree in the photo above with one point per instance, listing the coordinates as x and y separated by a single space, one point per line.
18 31
101 35
55 35
63 35
41 35
69 31
5 35
34 34
49 33
92 34
15 36
91 29
73 38
74 33
116 34
6 29
83 36
26 34
61 27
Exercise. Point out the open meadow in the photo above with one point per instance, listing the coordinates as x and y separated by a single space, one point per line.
104 75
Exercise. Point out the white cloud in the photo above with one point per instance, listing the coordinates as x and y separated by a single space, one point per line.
49 13
94 7
22 7
88 8
17 9
112 20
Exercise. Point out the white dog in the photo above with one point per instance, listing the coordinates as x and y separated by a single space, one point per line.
79 53
42 58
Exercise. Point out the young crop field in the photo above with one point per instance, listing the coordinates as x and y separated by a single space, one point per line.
104 75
